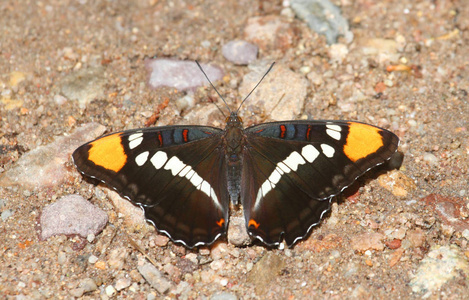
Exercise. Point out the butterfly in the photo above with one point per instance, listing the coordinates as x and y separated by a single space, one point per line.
284 174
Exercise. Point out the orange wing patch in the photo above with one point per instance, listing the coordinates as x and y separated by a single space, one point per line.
362 141
221 222
253 223
108 152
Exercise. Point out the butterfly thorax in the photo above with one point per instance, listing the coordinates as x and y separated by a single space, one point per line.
234 142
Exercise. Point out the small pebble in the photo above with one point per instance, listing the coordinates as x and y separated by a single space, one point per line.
88 285
430 158
270 33
110 291
388 83
224 282
122 283
367 241
6 214
305 69
77 293
90 237
223 296
60 100
338 52
117 258
192 257
217 264
154 277
204 251
160 240
61 257
219 251
92 259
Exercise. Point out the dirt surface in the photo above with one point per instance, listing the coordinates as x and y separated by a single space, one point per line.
405 70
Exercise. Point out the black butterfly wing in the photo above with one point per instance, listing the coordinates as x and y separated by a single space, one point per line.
168 171
291 171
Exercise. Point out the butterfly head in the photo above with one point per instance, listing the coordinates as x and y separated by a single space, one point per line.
233 120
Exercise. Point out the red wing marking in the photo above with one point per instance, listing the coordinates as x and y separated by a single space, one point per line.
184 135
308 132
283 130
160 138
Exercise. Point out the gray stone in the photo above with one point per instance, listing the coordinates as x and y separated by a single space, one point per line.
324 18
72 215
45 165
281 95
6 214
240 52
179 74
237 233
442 264
88 285
84 85
266 270
154 277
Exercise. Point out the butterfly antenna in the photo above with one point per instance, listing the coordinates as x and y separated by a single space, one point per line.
203 72
270 68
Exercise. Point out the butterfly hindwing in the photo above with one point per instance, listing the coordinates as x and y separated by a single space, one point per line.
168 171
292 169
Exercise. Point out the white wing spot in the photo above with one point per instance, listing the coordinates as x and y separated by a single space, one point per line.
275 176
294 160
159 159
333 134
204 187
310 153
283 167
207 189
258 198
334 127
290 163
179 168
266 187
213 196
280 170
135 140
327 150
184 171
190 174
142 158
175 165
196 179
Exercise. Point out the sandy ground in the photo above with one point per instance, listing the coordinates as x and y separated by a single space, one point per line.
406 70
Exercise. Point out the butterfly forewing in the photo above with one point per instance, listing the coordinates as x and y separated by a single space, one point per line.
169 172
292 169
